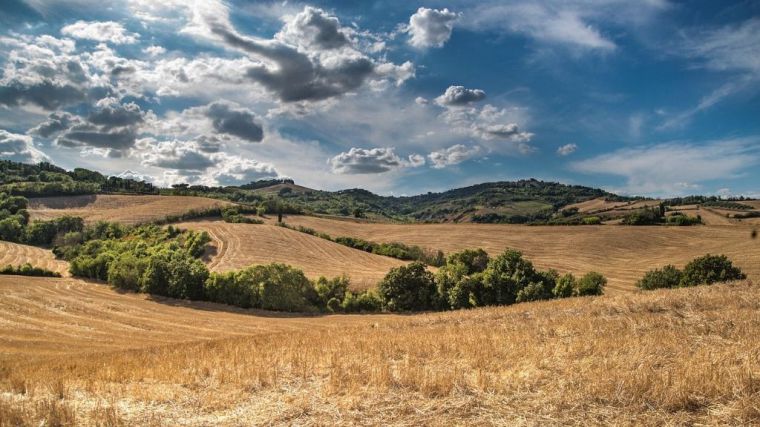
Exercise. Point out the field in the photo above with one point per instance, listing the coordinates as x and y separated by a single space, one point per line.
125 209
622 253
79 353
241 245
15 254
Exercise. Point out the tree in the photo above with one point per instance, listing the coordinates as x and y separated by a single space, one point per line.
592 283
710 269
408 288
506 276
666 277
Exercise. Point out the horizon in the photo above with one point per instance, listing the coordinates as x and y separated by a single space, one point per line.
657 99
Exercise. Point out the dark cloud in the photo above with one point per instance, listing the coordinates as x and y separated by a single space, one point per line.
85 135
459 95
45 94
55 123
118 115
237 122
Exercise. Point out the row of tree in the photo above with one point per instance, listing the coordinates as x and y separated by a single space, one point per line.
704 270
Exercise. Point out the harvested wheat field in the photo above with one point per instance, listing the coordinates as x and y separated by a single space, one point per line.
78 353
241 245
118 208
16 254
622 253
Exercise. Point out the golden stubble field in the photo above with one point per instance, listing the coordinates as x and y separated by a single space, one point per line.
238 246
81 354
622 253
16 254
118 208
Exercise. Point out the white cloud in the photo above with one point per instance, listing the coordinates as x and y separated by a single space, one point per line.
371 161
431 27
567 149
674 168
108 31
19 148
453 155
459 95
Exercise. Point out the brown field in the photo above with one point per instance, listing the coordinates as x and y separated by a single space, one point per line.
75 353
622 254
16 254
601 205
242 245
124 209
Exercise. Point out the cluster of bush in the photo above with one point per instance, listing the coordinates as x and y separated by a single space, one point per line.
704 270
392 249
28 270
15 225
233 215
678 218
472 279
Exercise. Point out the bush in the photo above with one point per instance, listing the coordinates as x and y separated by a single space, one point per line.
592 220
126 271
283 288
28 270
667 277
684 220
710 269
592 283
362 302
647 216
174 274
408 288
565 286
331 289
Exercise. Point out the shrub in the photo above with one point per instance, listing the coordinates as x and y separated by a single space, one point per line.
684 220
28 270
592 283
331 289
11 229
710 269
539 290
362 302
565 286
667 277
174 274
647 216
125 272
592 220
283 288
408 288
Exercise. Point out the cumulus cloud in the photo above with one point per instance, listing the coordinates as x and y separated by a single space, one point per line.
108 31
673 168
491 125
567 149
19 148
431 27
372 161
178 155
55 123
508 131
137 176
112 129
459 95
452 155
311 59
239 122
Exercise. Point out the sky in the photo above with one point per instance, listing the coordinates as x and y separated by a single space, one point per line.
652 97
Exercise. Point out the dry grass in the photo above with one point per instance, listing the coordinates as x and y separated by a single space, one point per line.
241 245
118 208
622 254
679 357
16 254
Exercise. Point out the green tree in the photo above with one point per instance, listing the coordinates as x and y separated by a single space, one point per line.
666 277
710 269
592 283
408 288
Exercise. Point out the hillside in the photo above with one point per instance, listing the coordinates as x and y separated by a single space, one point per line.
80 353
622 253
238 246
131 209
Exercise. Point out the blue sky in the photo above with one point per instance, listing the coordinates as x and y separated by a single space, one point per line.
649 98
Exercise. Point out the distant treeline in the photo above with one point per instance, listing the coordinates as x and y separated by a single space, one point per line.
45 179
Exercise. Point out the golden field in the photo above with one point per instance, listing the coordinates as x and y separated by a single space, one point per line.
118 208
75 353
622 253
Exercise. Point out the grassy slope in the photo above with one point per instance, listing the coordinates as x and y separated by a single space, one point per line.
687 356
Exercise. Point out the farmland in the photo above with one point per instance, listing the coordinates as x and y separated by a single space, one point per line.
634 358
623 254
118 208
